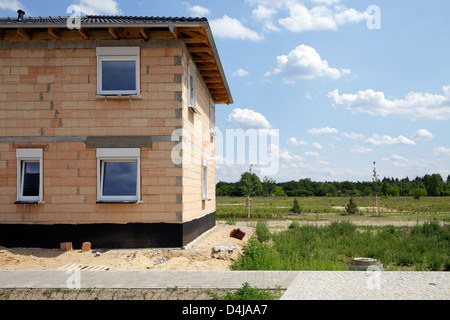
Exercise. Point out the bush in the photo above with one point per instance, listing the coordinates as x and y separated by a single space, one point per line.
296 207
262 231
418 192
351 207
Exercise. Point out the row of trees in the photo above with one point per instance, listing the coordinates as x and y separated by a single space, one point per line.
430 184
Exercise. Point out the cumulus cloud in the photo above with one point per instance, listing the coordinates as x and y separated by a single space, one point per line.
361 150
322 130
294 142
414 106
241 72
422 134
320 17
442 151
12 5
311 154
385 140
198 11
316 145
305 63
227 27
248 118
353 135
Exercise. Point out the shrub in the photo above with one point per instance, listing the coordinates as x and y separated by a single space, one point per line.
418 192
262 231
296 207
351 207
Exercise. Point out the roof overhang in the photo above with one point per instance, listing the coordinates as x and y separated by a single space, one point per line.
194 32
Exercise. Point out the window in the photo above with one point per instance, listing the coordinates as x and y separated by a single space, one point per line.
118 71
212 117
118 175
29 175
204 181
192 85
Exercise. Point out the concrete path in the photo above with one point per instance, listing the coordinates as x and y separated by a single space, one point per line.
299 285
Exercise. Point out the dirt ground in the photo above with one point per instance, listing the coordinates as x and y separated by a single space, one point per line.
198 255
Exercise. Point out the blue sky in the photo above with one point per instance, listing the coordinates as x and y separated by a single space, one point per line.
342 87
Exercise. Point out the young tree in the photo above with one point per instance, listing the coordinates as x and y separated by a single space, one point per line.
376 188
296 207
269 186
250 185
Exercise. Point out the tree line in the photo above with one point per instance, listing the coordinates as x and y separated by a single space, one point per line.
428 185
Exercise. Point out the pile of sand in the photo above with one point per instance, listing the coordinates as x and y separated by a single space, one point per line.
199 255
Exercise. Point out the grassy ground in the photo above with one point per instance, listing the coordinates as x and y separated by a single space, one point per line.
332 208
423 247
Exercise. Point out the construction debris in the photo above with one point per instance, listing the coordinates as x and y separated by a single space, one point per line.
237 233
76 266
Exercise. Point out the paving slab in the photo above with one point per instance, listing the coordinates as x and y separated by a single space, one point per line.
144 279
369 285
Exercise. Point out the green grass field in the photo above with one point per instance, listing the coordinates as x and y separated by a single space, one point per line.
420 247
332 208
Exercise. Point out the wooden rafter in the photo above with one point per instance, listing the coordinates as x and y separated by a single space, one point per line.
113 32
201 49
144 33
55 33
201 57
24 33
84 33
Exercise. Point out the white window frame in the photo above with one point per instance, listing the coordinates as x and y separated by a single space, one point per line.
118 155
23 156
117 54
192 87
204 180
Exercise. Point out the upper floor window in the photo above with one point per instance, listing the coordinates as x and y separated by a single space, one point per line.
192 85
118 71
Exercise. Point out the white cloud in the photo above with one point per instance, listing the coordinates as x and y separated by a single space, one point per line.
322 130
320 17
422 134
351 16
311 154
12 5
294 142
316 145
98 7
385 140
353 135
248 119
441 151
361 150
198 11
327 2
227 27
241 72
305 63
414 106
303 19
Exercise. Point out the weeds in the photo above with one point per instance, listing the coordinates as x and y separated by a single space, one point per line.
248 293
424 247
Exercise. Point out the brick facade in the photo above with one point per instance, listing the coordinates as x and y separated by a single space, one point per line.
48 101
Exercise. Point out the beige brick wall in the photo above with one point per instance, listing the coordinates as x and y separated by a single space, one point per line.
50 93
198 146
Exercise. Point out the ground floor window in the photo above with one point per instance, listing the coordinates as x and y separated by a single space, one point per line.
29 175
118 174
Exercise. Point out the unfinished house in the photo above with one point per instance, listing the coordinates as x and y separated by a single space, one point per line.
107 130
